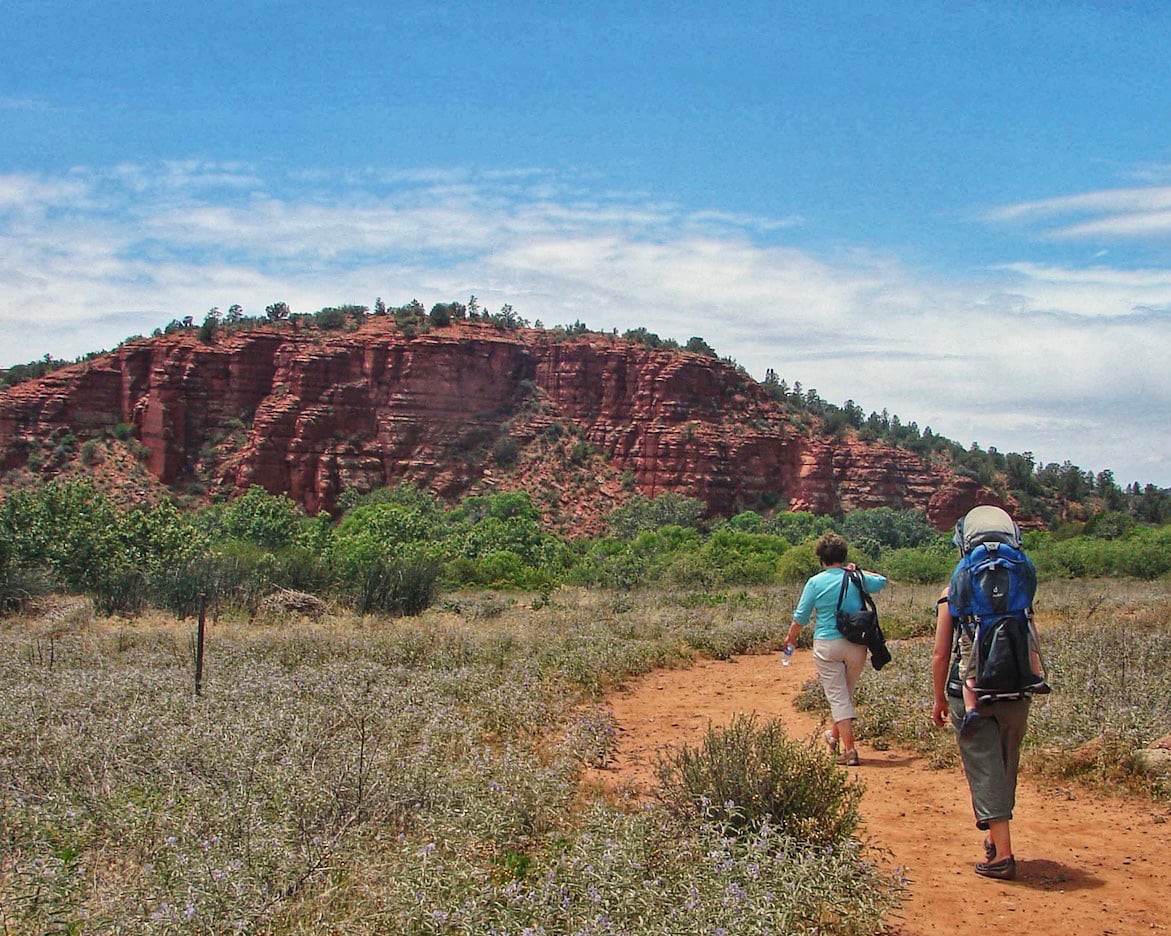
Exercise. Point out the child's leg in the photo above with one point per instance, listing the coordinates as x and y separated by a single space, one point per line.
971 715
969 690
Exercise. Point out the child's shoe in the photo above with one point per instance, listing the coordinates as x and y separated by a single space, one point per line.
968 725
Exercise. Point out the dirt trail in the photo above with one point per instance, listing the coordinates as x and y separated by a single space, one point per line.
1086 865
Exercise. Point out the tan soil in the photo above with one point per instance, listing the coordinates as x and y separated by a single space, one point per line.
1086 865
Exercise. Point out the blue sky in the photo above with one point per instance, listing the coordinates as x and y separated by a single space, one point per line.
959 212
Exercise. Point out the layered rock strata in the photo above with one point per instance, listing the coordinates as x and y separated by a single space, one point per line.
310 414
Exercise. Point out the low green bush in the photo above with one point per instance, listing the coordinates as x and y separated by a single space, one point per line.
749 774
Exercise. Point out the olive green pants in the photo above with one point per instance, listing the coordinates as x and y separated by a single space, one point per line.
991 757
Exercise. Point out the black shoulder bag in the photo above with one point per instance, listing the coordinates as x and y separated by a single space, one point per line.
860 627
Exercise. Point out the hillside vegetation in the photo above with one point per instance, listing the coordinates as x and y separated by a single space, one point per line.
394 550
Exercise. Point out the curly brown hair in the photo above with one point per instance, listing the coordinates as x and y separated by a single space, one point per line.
830 549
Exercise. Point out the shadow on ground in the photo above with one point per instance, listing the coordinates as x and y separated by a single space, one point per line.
1053 875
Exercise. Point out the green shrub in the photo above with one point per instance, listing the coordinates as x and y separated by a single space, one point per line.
119 589
798 526
395 588
330 319
1110 524
798 564
69 527
20 583
492 534
182 587
503 568
268 520
1150 555
581 452
920 565
610 564
66 441
91 453
505 451
748 773
382 530
641 513
889 529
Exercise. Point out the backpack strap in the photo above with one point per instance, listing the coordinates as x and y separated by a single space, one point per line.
1035 644
954 684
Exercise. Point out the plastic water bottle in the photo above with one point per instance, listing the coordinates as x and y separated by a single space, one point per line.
787 654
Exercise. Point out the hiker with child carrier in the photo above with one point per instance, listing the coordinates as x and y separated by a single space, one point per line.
986 667
991 598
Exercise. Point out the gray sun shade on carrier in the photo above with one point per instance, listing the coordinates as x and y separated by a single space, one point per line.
985 524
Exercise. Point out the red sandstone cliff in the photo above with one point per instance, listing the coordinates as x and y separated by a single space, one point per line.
589 420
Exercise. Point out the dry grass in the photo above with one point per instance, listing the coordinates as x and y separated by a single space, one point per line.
372 776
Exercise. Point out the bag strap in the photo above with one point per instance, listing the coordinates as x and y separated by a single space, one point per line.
845 582
855 576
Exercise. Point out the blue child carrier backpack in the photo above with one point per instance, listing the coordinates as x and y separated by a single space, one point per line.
991 598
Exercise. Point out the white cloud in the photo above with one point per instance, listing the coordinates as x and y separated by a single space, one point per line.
1138 212
25 193
1093 292
1060 361
1143 198
1130 224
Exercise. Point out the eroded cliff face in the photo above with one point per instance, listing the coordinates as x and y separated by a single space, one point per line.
582 423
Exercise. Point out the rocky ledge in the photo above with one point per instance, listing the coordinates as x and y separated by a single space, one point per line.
581 422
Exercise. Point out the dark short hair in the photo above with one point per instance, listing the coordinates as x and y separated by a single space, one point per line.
830 548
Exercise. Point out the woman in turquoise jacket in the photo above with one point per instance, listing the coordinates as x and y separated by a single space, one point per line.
839 662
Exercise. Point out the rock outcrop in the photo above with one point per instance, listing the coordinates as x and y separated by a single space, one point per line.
581 422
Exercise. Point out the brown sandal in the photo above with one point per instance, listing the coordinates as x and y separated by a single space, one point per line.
1001 870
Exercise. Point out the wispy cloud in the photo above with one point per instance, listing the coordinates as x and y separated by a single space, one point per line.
1093 292
1030 357
1139 212
35 105
1152 173
30 194
1141 224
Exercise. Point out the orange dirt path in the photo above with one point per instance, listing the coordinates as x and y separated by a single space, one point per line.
1086 865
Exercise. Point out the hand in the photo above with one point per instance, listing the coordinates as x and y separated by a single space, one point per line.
850 567
941 712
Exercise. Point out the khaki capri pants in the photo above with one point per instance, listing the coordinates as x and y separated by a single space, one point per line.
839 664
992 756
